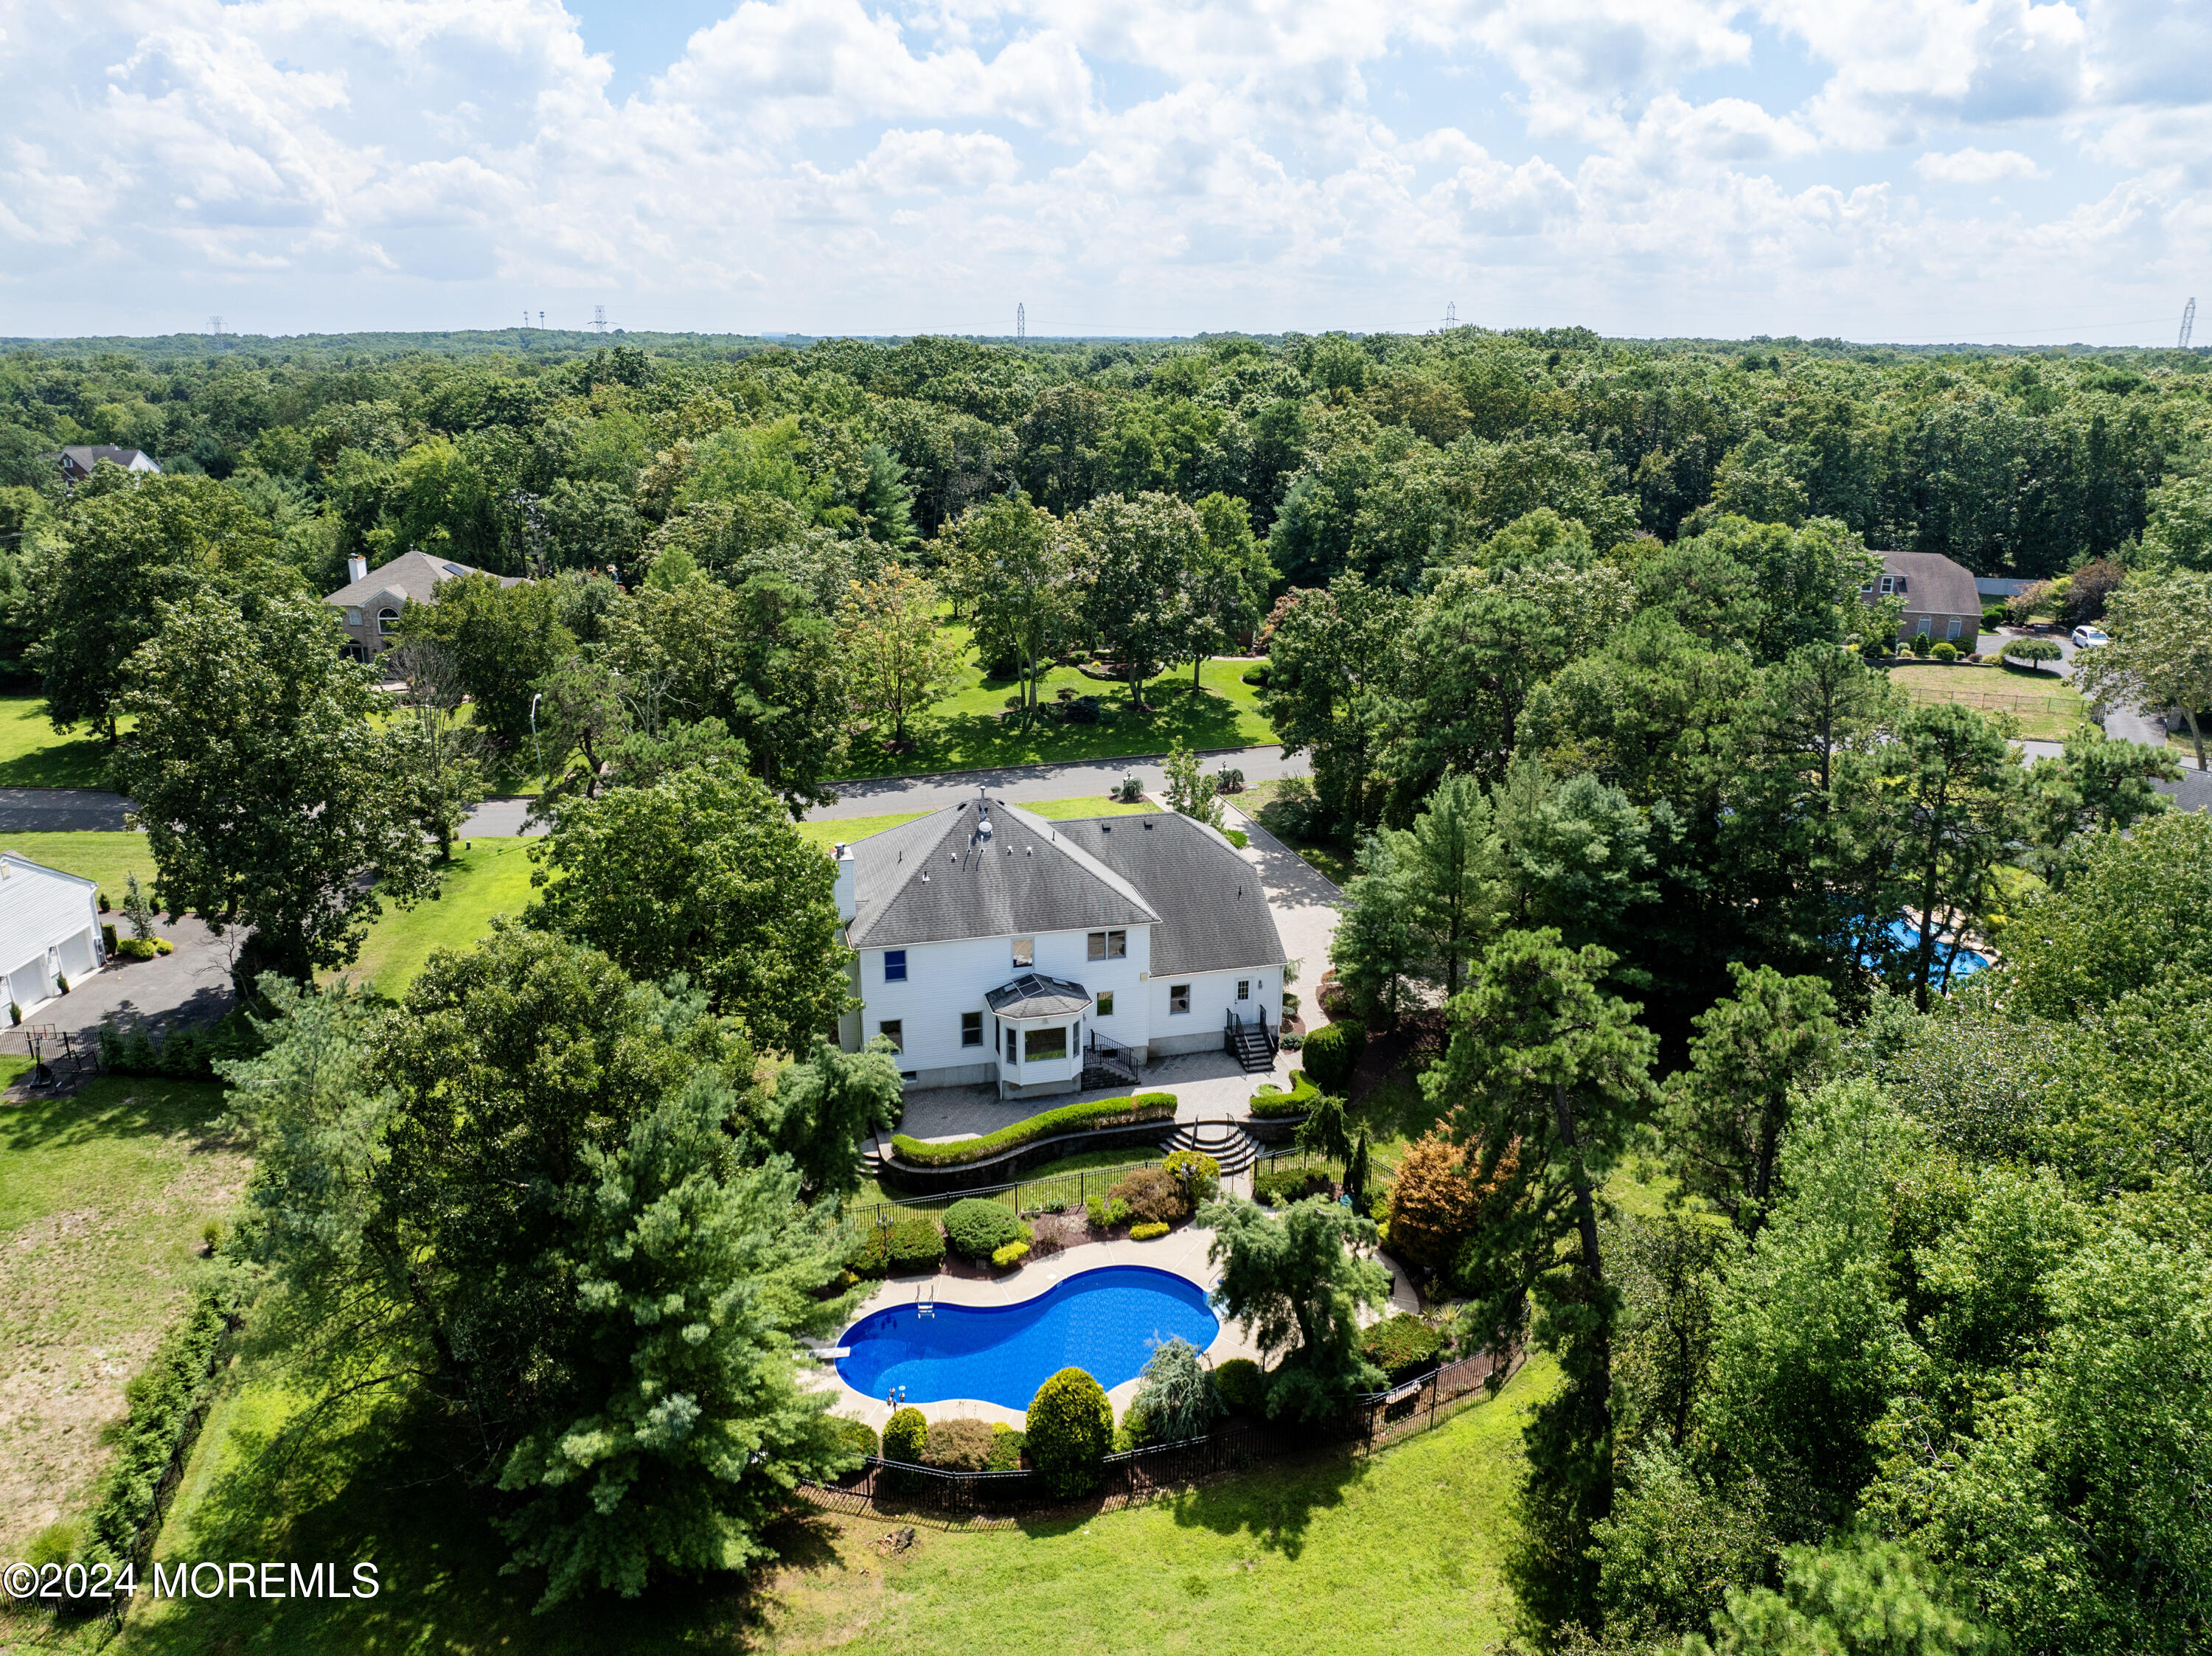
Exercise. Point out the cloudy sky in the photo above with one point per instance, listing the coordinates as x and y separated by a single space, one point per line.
1880 169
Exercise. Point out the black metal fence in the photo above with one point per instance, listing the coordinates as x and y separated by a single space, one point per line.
893 1489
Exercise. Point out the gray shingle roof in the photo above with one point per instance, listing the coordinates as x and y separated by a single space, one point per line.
1033 995
411 575
1214 915
934 879
1933 584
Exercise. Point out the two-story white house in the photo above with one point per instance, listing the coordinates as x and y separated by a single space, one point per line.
996 946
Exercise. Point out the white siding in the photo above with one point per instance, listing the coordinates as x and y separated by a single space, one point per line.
43 909
1213 996
944 980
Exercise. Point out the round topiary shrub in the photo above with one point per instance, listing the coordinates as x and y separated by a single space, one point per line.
978 1228
1242 1387
1945 651
1069 1431
1203 1180
1331 1052
906 1437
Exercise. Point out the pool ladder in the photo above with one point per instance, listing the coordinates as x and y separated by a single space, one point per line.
927 1308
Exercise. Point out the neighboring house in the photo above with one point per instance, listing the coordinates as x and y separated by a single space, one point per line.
371 599
1938 595
996 946
78 459
1996 589
48 929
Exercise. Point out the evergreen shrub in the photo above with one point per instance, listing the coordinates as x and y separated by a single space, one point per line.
1069 1431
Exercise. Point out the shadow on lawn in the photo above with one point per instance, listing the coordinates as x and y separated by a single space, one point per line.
1274 1503
115 1106
382 1490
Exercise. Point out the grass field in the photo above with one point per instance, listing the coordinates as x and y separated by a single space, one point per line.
1259 802
32 755
491 877
965 731
103 857
103 1197
1400 1552
2046 706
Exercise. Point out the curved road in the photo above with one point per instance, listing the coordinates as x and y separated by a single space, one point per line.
33 811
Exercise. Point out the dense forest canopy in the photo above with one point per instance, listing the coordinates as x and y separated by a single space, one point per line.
521 448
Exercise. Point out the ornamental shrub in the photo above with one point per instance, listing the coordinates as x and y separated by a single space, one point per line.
906 1437
977 1227
912 1243
857 1435
1435 1205
1006 1257
1922 644
1107 1211
1243 1387
1175 1400
1005 1449
958 1445
1205 1181
1945 651
1272 1100
1292 1040
107 935
1280 1187
1331 1052
1069 1431
1153 1196
1147 1230
1401 1346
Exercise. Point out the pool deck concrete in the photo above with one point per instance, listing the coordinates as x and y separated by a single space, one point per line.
1182 1251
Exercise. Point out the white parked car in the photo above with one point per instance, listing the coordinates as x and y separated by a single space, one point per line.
2087 638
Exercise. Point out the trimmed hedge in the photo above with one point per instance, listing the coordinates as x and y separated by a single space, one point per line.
978 1227
1105 1212
1150 1228
1401 1346
1070 1430
1242 1387
1005 1449
168 1402
1271 1101
912 1242
1006 1257
1332 1053
1073 1118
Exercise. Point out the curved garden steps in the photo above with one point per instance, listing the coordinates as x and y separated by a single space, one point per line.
1225 1141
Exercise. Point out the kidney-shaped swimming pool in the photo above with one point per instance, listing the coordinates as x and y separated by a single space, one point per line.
1105 1322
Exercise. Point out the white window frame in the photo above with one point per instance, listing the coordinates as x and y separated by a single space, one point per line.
1178 992
1024 951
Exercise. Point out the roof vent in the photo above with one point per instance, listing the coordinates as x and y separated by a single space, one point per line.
983 828
1105 827
1148 827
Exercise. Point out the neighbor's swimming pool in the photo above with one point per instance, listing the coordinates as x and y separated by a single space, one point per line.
1105 1322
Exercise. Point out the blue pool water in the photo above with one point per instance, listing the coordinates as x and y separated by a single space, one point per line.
1904 936
1105 1322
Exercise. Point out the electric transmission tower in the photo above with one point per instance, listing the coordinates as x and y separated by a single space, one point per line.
1021 323
599 318
1451 314
2188 323
215 325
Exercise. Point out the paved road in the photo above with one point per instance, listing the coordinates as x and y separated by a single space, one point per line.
881 796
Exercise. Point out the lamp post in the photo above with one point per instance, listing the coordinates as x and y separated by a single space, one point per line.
534 741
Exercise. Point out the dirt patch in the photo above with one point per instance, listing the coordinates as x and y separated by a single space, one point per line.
85 1295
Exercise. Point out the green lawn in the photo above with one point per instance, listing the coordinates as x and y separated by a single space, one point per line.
104 857
1263 800
1402 1552
2046 706
33 755
103 1197
965 730
491 877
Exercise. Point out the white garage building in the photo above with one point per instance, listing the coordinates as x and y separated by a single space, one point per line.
48 929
